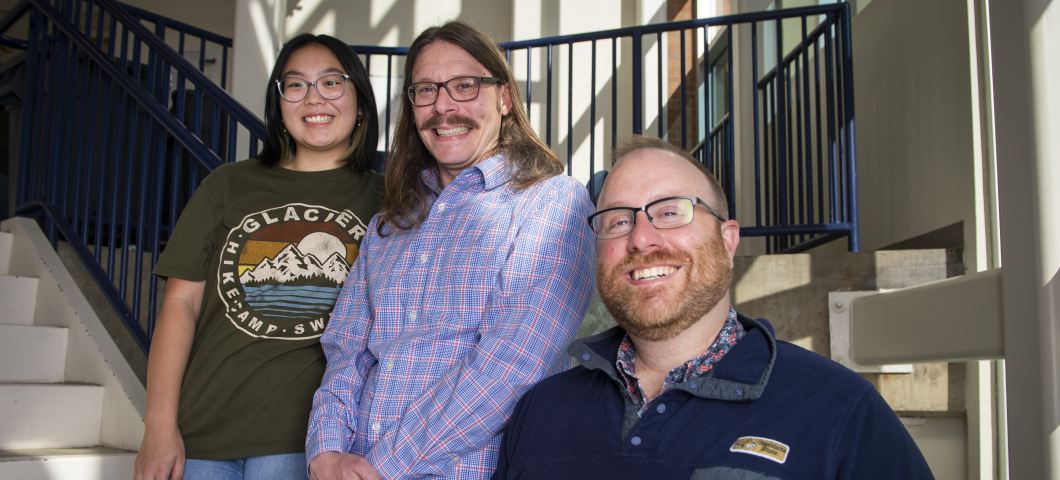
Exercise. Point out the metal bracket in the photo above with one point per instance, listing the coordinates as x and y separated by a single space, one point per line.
842 334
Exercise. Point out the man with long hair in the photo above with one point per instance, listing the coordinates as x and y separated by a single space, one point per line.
470 281
685 387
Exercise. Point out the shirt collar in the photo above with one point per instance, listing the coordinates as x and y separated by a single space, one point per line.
490 173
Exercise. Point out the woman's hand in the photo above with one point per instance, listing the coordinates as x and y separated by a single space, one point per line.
161 455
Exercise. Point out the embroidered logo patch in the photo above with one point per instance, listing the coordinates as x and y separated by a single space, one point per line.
762 447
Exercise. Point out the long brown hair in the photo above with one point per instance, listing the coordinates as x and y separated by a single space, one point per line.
406 202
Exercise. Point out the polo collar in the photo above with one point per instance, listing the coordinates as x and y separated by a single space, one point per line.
740 376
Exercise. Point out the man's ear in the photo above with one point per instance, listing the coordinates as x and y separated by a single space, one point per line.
730 235
506 99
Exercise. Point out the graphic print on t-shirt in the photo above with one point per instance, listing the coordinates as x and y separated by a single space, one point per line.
282 269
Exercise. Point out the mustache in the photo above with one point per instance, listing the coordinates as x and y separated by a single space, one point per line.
453 119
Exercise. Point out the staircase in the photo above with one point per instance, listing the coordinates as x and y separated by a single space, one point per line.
70 405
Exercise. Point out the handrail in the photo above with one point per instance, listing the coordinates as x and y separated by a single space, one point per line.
678 25
179 131
198 32
12 16
235 109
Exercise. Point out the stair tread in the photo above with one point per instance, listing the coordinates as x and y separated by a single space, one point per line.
38 453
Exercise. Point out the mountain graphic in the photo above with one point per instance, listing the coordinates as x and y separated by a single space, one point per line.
291 265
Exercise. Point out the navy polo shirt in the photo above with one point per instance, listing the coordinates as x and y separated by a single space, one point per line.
768 410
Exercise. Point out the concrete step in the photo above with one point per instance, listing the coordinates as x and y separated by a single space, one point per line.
91 463
31 354
7 242
18 300
49 415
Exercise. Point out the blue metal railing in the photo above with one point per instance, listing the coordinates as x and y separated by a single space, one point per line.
798 203
117 129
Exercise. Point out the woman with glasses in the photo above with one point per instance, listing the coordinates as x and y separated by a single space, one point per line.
254 268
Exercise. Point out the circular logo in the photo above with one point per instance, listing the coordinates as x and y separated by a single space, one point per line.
283 268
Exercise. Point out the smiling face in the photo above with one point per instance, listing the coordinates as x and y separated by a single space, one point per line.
458 134
320 128
658 283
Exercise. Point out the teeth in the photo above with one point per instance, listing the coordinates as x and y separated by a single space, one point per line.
653 272
318 119
452 131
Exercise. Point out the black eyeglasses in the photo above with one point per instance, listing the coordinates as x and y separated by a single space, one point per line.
670 212
330 87
461 89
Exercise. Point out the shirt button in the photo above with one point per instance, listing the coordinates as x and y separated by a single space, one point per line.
390 365
692 384
586 357
423 258
739 392
635 441
412 315
441 207
661 408
375 427
627 408
456 459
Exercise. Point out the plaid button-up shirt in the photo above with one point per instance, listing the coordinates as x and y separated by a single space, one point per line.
439 330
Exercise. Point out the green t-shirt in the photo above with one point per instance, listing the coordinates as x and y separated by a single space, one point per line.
274 247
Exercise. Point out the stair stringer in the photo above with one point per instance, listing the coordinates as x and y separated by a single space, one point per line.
92 357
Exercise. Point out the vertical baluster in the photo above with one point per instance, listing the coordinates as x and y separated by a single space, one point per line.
548 101
638 70
730 137
848 99
782 158
178 154
797 155
592 124
529 82
570 106
681 85
389 79
817 127
806 119
224 73
708 100
830 88
233 141
758 157
614 92
659 119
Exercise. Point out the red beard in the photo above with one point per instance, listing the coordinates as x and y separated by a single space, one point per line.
663 312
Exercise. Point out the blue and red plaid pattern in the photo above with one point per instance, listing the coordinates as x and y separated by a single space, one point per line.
731 331
439 330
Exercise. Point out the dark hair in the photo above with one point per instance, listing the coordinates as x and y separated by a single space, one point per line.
280 147
405 203
635 143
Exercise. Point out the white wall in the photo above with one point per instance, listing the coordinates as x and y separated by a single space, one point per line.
915 126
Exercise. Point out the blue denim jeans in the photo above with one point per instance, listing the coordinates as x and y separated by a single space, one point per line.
284 466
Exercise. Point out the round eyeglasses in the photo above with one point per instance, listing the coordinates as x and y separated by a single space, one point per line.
670 212
461 89
330 87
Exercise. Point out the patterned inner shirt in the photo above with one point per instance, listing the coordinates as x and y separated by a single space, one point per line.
730 333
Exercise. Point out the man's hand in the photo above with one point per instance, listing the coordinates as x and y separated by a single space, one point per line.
341 466
161 455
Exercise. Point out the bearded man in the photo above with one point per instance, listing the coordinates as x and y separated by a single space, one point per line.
470 282
685 387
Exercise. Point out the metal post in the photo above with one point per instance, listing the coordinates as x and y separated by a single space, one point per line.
1026 105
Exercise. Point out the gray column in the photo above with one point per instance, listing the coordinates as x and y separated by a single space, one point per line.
1024 45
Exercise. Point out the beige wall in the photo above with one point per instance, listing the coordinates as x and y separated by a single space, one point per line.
915 126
